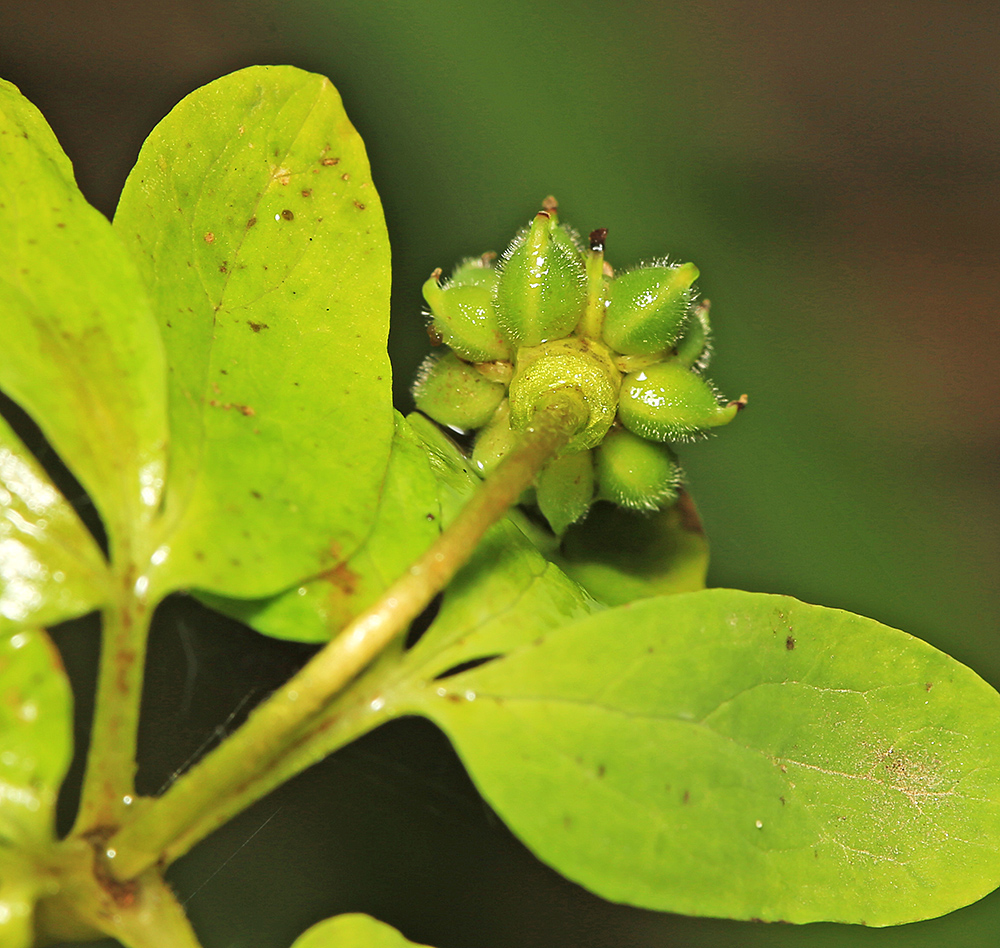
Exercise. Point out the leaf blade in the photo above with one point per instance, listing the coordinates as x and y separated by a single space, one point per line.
81 351
721 784
50 567
260 236
352 931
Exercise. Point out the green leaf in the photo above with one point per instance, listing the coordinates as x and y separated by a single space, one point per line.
260 236
351 931
740 755
81 352
50 566
407 522
36 742
619 555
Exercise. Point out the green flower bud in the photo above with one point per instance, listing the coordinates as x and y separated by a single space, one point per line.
573 363
542 290
463 313
494 440
668 402
565 489
648 307
455 393
635 473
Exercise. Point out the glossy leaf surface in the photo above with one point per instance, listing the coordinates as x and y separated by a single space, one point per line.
81 351
407 522
50 566
352 931
619 555
740 755
258 231
36 742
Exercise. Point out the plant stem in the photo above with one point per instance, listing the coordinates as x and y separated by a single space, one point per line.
109 778
278 722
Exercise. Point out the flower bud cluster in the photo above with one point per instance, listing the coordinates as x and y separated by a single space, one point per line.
552 315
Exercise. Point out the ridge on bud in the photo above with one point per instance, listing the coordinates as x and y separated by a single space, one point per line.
648 307
455 393
635 473
668 402
462 311
541 292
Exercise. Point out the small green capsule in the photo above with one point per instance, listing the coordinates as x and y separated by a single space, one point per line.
572 363
668 402
542 290
635 473
463 313
648 307
565 489
454 393
493 441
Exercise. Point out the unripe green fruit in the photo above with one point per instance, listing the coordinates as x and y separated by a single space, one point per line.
648 307
635 473
464 316
494 440
542 290
565 489
576 364
668 402
455 393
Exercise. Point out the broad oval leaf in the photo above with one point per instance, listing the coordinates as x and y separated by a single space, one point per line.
257 228
352 931
619 555
407 522
50 566
740 755
81 351
35 751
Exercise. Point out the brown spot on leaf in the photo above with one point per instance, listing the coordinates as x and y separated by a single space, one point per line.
790 643
359 205
928 685
287 215
343 577
251 222
257 494
345 177
330 161
257 327
307 192
209 238
687 797
223 268
600 770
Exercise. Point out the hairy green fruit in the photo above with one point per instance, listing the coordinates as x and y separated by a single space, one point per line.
455 393
668 402
565 489
573 363
635 473
463 313
554 319
542 290
648 307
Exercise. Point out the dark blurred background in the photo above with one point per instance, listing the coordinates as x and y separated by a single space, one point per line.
833 171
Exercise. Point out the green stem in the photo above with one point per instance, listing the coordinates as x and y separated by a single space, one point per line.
108 785
279 722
